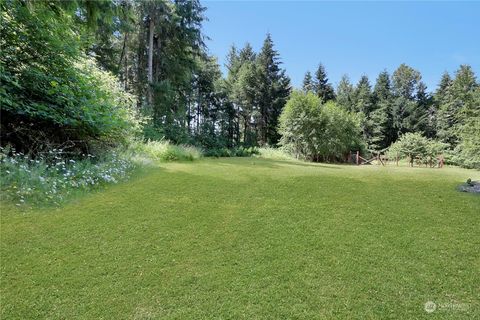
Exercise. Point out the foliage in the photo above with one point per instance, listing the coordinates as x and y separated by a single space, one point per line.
321 86
345 94
274 153
414 146
467 153
308 85
231 152
409 113
51 179
166 151
457 100
53 176
273 91
318 132
52 95
258 88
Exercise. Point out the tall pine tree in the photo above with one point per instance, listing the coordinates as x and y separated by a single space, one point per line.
307 85
363 105
322 87
345 94
384 133
405 83
273 91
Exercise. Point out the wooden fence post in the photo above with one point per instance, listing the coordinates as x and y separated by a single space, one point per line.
358 157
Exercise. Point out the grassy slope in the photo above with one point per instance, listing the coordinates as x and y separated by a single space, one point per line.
250 238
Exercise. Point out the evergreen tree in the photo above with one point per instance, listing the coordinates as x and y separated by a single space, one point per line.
417 111
404 108
233 62
383 134
273 90
322 88
233 65
423 116
443 90
345 94
243 81
363 96
308 83
464 87
455 100
244 95
444 105
383 87
363 105
246 54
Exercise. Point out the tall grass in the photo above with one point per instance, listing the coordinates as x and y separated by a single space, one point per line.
166 151
274 154
52 178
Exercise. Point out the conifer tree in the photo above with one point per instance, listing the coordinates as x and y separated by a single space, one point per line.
273 90
383 135
345 94
456 103
363 105
308 83
405 82
443 100
322 87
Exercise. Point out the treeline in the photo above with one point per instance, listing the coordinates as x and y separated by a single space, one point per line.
400 103
156 50
85 75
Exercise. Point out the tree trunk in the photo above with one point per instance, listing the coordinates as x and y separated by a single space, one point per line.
126 65
150 61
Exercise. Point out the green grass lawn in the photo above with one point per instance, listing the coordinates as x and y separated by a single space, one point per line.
250 238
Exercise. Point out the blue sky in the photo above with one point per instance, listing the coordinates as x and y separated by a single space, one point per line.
352 37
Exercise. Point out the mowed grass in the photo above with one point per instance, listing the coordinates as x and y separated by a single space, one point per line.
253 239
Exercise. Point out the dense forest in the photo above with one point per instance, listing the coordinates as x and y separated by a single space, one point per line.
87 77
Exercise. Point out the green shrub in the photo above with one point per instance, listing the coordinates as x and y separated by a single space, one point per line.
52 95
318 132
415 147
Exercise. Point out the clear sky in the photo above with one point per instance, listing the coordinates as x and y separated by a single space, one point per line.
352 38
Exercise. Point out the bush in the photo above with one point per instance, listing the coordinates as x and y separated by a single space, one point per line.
414 146
318 132
51 95
50 178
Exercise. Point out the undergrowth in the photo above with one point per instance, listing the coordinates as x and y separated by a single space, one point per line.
51 178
